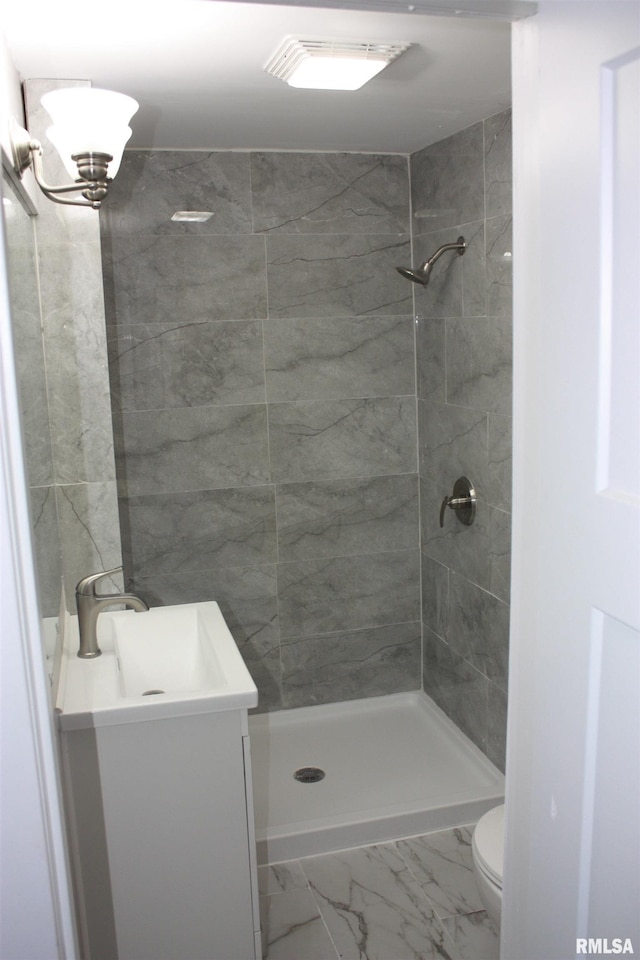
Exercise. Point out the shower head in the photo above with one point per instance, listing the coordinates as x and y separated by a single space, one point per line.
421 274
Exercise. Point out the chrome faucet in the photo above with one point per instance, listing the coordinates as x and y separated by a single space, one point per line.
90 604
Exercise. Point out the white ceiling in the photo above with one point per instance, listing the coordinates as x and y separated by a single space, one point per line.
196 67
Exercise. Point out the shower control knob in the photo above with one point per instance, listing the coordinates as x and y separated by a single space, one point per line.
462 500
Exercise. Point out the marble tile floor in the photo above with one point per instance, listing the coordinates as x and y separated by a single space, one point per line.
409 899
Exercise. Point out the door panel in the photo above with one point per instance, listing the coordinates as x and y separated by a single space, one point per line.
572 866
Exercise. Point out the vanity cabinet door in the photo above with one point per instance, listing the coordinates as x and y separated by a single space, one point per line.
180 853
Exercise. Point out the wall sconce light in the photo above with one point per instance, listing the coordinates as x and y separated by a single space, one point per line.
90 130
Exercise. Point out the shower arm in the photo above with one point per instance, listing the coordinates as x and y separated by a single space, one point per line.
421 274
460 245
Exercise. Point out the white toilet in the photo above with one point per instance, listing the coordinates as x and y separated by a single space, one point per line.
488 851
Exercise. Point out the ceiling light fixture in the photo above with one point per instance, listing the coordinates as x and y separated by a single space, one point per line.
331 64
90 130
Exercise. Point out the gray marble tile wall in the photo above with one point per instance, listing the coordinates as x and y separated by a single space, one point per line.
462 186
263 388
32 385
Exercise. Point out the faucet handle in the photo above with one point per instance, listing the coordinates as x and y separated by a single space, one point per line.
87 586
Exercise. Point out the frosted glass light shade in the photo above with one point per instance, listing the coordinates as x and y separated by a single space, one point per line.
334 73
89 120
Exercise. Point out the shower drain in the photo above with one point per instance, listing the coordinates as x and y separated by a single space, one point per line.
309 774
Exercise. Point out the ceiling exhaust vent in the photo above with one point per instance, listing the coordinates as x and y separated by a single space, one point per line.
331 64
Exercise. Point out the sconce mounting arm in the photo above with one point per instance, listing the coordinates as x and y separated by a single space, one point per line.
92 167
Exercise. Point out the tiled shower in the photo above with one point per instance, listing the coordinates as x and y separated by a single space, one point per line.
276 450
463 186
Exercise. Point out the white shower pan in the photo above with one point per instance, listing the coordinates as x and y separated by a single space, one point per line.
394 766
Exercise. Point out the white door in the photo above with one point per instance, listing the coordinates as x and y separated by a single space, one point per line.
572 868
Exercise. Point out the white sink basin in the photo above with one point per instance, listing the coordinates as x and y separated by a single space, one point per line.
165 650
165 662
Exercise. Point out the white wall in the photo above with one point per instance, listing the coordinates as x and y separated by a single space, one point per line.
35 910
10 97
35 906
11 108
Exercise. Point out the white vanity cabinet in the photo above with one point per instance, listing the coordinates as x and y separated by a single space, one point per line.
161 825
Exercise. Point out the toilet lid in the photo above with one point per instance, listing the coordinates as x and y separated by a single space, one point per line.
488 842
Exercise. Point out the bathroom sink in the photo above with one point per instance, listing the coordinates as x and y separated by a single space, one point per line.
165 650
164 662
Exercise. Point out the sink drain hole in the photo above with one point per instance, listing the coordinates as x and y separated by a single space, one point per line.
151 693
309 774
